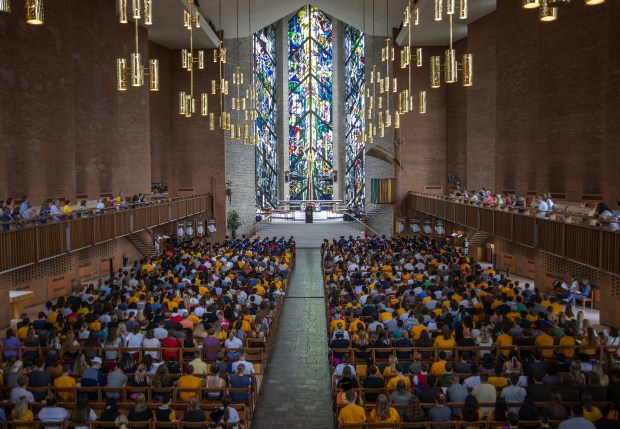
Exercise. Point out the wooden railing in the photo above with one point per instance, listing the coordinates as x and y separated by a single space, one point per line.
589 245
31 242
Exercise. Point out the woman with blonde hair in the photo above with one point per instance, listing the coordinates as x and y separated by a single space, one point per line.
22 413
590 341
194 413
391 368
200 333
140 412
383 412
140 378
484 340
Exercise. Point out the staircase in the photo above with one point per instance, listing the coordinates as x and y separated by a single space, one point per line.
310 235
143 242
477 238
373 210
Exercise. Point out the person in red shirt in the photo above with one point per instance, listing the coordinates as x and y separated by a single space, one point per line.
171 342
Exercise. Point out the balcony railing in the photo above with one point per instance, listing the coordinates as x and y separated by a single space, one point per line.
591 245
29 241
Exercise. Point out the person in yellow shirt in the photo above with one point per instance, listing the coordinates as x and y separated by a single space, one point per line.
445 341
188 381
65 381
417 329
385 316
567 344
66 209
590 411
439 367
22 414
383 412
351 413
545 342
356 325
504 340
398 377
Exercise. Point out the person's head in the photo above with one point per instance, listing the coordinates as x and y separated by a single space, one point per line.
81 411
576 411
22 381
140 402
382 409
513 420
470 409
514 378
499 413
440 397
193 403
50 400
414 411
350 396
121 421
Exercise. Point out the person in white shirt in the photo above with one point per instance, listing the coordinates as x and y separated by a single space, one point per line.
542 207
248 367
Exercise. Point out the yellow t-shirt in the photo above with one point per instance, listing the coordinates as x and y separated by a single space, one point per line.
28 418
568 341
442 343
438 368
593 415
504 340
394 381
188 382
498 382
417 330
65 381
66 209
545 340
392 418
352 414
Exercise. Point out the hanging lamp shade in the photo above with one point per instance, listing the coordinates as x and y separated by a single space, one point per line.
558 3
5 6
468 74
594 2
34 12
530 4
547 13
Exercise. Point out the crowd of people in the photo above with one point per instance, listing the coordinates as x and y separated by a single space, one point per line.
169 339
541 205
25 213
419 332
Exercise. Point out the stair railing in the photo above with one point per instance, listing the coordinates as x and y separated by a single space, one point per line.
255 227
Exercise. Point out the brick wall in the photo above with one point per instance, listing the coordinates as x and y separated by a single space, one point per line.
422 151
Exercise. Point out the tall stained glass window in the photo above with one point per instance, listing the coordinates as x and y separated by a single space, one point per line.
310 105
266 117
354 108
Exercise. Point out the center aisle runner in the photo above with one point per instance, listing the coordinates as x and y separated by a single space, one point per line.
296 390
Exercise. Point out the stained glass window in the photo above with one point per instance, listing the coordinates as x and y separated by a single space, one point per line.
310 105
354 107
266 117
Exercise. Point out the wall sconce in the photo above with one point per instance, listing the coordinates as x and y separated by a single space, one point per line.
335 176
286 176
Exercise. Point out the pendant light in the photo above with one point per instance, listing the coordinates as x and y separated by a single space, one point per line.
34 12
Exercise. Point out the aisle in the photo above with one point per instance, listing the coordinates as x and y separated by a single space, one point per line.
296 388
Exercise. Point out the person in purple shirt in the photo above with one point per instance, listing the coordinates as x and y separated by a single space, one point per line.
210 344
11 342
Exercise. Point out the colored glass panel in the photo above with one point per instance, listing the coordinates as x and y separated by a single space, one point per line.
310 106
355 178
266 117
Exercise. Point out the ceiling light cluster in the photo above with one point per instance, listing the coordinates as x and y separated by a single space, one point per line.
34 10
451 65
136 66
548 9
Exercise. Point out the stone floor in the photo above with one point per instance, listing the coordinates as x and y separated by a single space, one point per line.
296 389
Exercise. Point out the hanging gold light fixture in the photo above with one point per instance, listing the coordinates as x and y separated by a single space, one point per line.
451 65
238 129
388 84
549 8
405 97
5 6
558 3
530 4
371 92
547 13
250 112
136 67
220 86
187 102
34 12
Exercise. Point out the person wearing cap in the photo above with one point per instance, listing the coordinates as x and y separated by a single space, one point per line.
93 377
